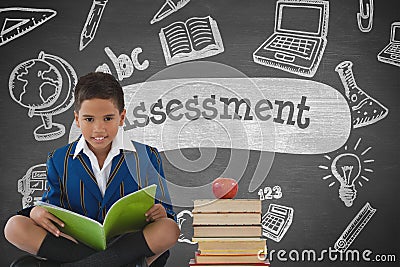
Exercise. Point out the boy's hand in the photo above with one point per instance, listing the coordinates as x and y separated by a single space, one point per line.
45 219
155 212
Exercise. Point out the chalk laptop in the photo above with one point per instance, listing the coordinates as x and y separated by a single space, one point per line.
276 221
299 37
391 53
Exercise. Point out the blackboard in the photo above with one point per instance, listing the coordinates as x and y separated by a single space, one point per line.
296 171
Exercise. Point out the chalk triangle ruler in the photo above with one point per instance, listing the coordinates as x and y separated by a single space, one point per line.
16 21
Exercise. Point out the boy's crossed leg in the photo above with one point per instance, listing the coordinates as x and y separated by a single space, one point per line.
156 238
28 236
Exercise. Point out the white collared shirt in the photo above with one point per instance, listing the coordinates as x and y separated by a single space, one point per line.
120 142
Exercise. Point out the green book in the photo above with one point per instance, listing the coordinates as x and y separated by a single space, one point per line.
125 215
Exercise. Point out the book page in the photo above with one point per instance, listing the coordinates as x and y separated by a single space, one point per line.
127 214
177 39
200 32
84 229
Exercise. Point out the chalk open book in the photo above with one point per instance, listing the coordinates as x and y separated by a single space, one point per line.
194 39
125 215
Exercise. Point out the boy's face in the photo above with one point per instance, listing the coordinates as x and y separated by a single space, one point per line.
98 120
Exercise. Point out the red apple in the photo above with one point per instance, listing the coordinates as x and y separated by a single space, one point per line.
224 187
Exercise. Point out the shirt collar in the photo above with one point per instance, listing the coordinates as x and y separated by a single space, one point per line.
121 141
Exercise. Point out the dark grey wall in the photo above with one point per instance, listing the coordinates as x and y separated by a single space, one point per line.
320 216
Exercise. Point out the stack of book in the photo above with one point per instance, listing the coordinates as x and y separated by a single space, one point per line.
228 233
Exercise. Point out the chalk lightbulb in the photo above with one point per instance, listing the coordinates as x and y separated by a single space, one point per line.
346 168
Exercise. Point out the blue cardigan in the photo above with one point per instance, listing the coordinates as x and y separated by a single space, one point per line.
71 183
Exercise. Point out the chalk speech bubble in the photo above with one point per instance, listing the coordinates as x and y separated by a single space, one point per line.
265 114
174 109
171 111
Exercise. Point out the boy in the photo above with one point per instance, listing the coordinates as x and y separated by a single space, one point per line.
87 177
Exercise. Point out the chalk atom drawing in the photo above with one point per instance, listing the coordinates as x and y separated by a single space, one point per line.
277 221
299 39
194 39
354 228
16 21
365 109
349 168
44 86
391 53
32 185
366 15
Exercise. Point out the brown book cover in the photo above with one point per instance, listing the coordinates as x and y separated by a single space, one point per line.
246 258
192 262
227 205
219 244
226 219
227 231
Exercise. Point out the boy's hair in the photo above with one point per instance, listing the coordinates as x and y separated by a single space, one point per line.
98 85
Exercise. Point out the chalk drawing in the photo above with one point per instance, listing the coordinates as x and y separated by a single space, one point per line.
293 114
45 86
92 22
365 109
32 185
354 228
16 21
270 193
241 114
169 7
349 168
277 221
299 39
181 218
366 14
103 68
391 53
124 65
194 39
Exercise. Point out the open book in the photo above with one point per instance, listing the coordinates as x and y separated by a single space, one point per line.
196 38
125 215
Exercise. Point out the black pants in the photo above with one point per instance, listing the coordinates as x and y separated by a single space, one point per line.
161 261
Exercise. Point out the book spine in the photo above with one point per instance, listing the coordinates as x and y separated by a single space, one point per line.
227 231
164 46
257 245
226 205
226 219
